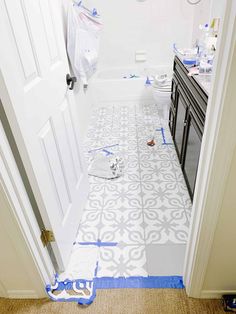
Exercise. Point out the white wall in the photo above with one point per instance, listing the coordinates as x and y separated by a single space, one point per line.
152 25
202 14
217 8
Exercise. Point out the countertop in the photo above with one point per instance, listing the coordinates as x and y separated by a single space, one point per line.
204 81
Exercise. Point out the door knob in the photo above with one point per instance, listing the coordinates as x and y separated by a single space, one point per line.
70 81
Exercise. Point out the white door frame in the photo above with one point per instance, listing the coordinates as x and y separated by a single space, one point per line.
215 160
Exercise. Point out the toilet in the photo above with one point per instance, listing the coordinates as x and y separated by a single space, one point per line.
161 90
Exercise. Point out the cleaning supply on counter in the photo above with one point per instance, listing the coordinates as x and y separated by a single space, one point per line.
187 55
201 42
206 49
205 67
193 71
203 53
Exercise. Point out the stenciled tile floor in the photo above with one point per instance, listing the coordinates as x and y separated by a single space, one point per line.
144 214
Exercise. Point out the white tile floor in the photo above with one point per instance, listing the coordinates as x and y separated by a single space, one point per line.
145 213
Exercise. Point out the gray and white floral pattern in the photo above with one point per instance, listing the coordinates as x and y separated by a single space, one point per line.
122 262
148 206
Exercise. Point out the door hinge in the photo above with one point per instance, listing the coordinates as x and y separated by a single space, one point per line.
47 236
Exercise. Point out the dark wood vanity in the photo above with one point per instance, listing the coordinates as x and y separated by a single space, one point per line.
186 120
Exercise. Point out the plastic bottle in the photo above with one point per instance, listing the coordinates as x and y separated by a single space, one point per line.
202 42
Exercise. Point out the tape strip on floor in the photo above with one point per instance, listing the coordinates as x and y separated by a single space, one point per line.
84 291
98 243
162 130
175 282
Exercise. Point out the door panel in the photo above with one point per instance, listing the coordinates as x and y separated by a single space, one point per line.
42 114
72 142
181 114
193 148
174 85
25 47
55 167
49 28
172 121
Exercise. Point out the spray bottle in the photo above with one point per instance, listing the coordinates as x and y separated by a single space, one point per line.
202 42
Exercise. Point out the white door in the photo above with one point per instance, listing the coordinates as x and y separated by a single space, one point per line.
42 114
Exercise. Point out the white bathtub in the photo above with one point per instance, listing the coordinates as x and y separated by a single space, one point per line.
117 85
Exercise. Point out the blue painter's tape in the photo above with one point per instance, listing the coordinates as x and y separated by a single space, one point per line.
148 82
173 282
96 270
102 148
107 152
151 282
68 284
99 243
163 136
76 286
87 301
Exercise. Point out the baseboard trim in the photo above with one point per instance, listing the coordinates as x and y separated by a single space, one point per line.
127 99
22 294
215 294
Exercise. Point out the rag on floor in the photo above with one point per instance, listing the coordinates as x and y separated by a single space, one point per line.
106 166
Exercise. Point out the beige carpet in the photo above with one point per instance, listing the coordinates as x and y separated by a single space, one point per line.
123 301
